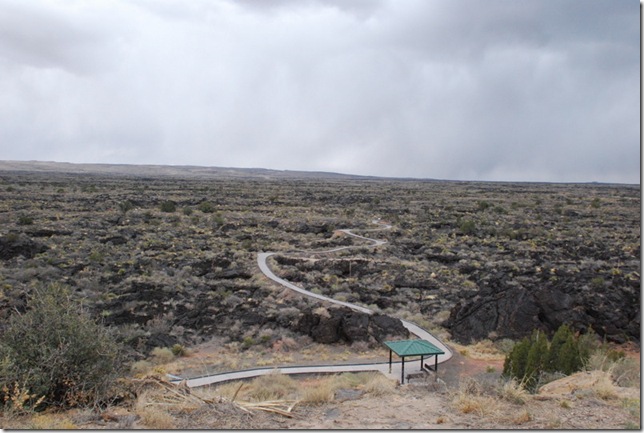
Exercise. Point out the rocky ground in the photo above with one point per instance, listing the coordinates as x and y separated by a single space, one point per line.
172 260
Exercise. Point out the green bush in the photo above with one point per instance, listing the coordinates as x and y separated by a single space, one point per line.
468 227
179 350
168 206
126 206
57 353
162 355
24 220
206 207
534 357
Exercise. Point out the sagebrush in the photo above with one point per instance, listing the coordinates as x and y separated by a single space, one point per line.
56 353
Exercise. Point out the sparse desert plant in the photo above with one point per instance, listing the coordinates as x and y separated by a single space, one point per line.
513 391
162 355
179 350
522 417
57 352
25 220
272 386
51 421
470 398
377 384
168 206
141 367
604 387
322 392
206 207
153 415
467 227
126 206
534 358
626 372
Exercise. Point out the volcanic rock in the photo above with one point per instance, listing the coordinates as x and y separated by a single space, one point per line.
343 324
13 245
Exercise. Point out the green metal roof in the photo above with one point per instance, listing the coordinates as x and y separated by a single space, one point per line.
413 347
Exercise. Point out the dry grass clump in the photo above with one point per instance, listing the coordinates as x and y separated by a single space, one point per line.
482 350
514 392
272 386
522 417
162 355
276 386
37 421
153 415
319 392
378 385
481 405
624 370
604 388
51 421
469 398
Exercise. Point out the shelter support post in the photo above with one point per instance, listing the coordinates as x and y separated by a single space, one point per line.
390 361
402 371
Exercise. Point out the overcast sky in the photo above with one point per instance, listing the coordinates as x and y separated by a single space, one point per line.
515 90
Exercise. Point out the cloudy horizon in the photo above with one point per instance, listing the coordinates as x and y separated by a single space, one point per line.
496 90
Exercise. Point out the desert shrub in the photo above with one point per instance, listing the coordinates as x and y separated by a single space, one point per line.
626 372
483 205
206 207
513 391
126 206
272 386
179 350
471 398
247 342
168 206
321 393
597 282
141 367
57 352
152 414
468 227
533 357
162 355
218 220
379 385
25 220
623 371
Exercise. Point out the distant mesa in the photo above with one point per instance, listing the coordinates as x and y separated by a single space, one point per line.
186 171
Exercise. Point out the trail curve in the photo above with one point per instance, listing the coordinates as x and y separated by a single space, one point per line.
383 367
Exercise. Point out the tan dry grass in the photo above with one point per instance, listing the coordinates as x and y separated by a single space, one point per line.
272 386
378 385
319 392
514 392
484 350
153 415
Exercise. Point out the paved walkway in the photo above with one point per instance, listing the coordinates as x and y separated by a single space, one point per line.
410 366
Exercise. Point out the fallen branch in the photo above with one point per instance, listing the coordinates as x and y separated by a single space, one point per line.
281 407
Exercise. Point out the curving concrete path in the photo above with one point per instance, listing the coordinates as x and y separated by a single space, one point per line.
383 367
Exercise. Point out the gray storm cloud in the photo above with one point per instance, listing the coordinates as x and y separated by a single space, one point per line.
455 89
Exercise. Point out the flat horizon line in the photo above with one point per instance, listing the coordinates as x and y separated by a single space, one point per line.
58 167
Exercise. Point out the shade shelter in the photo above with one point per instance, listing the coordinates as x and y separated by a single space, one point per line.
404 348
